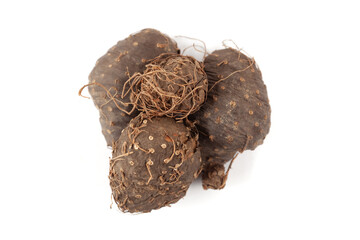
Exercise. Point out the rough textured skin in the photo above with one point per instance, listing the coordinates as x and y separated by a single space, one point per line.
172 85
114 68
236 115
154 162
214 176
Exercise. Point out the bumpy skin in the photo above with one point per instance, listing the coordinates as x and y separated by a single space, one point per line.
236 116
114 68
154 162
214 176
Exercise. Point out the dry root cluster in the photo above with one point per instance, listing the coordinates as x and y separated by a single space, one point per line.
172 85
152 100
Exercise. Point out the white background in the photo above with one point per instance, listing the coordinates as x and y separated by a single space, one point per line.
302 183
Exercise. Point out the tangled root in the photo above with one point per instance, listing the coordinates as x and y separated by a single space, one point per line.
172 85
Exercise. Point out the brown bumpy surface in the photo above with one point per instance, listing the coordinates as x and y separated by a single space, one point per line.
114 68
172 85
236 115
214 176
153 164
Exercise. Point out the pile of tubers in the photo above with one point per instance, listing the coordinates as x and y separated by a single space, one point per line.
170 118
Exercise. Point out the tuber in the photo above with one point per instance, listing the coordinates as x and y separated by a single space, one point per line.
153 163
107 79
236 115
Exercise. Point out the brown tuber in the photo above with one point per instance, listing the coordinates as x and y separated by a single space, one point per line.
151 98
236 115
112 70
153 163
172 85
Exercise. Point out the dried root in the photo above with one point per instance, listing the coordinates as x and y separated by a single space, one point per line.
172 85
